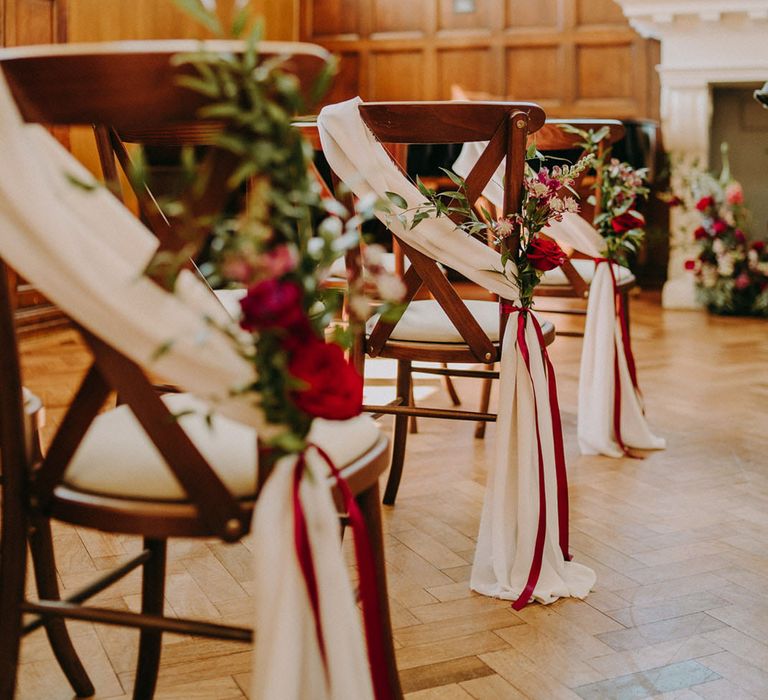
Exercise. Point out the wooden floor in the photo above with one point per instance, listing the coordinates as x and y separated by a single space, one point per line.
679 542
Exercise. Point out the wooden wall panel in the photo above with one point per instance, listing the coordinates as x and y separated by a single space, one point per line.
334 18
388 16
576 57
449 20
469 68
524 14
604 71
599 12
395 76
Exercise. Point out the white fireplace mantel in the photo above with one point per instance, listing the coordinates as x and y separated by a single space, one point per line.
703 43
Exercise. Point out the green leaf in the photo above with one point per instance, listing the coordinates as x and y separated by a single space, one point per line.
457 180
397 200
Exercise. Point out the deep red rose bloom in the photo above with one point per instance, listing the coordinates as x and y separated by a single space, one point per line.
273 304
690 264
544 254
627 221
719 227
705 203
334 388
700 233
738 234
759 246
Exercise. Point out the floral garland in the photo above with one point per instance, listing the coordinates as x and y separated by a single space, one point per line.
731 273
520 237
618 190
279 245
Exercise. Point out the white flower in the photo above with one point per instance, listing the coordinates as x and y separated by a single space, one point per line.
571 205
359 306
753 258
391 287
538 189
709 275
373 255
331 226
762 268
557 204
504 228
725 265
718 247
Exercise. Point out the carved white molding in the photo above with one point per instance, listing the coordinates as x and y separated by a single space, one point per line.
703 43
651 18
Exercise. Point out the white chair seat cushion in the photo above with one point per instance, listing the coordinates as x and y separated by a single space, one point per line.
425 321
116 458
339 267
586 269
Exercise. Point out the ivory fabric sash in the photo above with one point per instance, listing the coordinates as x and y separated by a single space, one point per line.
87 253
504 557
603 345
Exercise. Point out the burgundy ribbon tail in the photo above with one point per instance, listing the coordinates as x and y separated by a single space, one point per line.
304 555
560 469
621 315
374 633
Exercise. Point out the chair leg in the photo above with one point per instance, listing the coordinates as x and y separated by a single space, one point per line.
368 501
485 402
451 389
400 433
13 565
44 561
150 641
413 424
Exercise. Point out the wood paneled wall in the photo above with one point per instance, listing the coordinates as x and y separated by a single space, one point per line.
107 20
574 57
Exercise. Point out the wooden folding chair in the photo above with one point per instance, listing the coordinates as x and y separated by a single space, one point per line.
131 87
444 328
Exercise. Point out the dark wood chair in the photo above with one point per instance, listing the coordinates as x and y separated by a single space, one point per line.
123 86
460 331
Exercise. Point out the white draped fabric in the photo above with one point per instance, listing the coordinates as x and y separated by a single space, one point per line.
510 519
602 337
85 252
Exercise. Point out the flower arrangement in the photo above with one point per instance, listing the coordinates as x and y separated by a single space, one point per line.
731 273
279 243
518 237
618 190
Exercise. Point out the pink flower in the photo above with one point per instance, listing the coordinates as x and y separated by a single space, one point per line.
734 194
742 281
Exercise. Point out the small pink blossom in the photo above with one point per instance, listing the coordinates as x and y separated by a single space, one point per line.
742 281
734 194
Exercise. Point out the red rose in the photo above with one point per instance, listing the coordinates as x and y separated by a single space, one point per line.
627 221
544 254
690 264
705 203
700 233
273 304
738 234
759 246
334 389
719 227
674 201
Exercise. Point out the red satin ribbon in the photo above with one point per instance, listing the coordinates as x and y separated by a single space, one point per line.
621 314
557 437
374 633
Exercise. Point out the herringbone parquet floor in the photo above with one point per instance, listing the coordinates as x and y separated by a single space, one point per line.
679 541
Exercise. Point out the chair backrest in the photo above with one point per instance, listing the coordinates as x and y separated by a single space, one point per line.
131 86
506 127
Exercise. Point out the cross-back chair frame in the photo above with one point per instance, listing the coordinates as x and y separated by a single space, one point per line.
119 87
506 128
